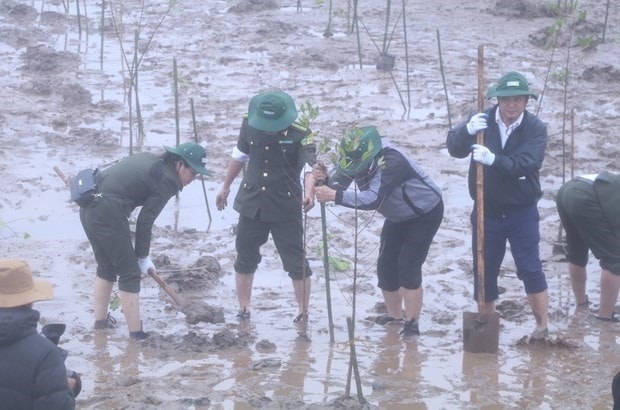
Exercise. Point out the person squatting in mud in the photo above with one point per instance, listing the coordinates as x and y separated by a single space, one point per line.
589 208
400 190
270 199
512 154
32 369
147 180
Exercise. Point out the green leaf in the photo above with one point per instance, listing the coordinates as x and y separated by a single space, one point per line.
339 264
115 302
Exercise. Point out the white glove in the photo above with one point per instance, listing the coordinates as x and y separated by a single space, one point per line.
145 264
477 123
483 155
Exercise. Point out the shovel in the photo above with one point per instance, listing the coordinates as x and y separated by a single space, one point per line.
480 330
177 299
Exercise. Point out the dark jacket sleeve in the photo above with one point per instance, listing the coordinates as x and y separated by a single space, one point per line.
51 390
165 188
459 141
513 180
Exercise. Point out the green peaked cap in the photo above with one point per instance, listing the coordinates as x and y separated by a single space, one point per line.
194 154
511 84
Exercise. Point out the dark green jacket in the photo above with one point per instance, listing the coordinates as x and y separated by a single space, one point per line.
141 180
271 189
607 188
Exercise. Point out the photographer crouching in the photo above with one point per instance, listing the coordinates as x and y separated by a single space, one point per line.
32 369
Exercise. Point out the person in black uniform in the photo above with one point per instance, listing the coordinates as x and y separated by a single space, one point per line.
271 197
143 180
32 369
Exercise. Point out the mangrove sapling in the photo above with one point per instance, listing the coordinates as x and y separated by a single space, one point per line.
309 113
605 24
101 32
328 30
175 87
443 79
137 60
6 226
204 189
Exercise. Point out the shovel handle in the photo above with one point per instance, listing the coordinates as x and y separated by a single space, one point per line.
61 175
165 287
480 188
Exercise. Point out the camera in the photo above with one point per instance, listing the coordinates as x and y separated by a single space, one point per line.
53 331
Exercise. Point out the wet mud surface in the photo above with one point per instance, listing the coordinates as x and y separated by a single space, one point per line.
62 106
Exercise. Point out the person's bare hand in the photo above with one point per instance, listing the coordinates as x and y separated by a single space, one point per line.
221 200
325 194
308 203
319 173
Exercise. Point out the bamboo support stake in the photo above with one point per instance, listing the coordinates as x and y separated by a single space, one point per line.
204 189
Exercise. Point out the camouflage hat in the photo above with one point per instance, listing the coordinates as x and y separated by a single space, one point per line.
511 84
357 150
271 112
193 154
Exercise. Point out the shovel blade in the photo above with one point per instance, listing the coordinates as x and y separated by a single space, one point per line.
480 332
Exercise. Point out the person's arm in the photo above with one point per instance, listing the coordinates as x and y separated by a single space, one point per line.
51 387
234 168
309 184
460 139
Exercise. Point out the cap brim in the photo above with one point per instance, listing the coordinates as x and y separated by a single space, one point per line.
263 124
509 93
355 167
201 170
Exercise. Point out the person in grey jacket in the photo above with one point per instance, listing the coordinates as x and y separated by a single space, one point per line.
32 369
512 154
394 185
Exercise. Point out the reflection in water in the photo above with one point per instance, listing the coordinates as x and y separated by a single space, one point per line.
130 359
533 378
293 375
398 368
480 373
102 362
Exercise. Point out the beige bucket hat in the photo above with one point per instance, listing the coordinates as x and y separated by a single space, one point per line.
17 288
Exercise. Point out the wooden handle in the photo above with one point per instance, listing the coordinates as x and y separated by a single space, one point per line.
61 175
480 187
165 287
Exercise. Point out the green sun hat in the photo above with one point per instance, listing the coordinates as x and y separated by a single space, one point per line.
272 111
511 84
357 150
194 154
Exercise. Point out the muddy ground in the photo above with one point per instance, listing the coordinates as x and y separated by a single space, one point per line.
64 106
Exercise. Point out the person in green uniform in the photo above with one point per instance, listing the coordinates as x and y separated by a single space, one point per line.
589 208
144 180
276 150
